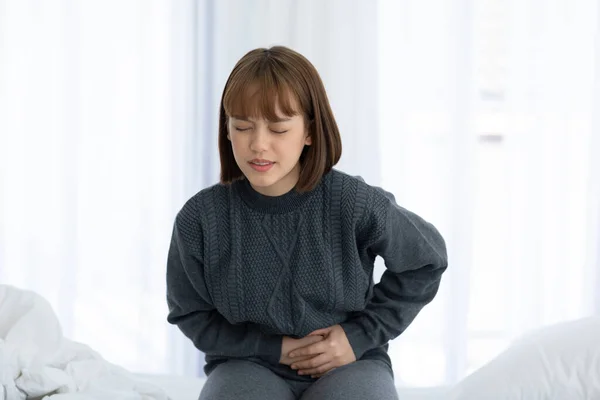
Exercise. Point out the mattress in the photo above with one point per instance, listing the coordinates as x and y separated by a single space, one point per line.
188 388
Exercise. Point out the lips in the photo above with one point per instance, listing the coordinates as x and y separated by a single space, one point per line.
261 165
261 162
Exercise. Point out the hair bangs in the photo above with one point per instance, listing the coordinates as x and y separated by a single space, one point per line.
257 93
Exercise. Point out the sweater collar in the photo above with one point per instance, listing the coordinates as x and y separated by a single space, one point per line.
287 202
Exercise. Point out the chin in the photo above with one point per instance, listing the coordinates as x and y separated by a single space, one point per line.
262 182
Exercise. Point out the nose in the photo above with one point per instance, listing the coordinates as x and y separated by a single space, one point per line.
259 141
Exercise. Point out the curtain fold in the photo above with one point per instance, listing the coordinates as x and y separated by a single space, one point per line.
494 140
91 167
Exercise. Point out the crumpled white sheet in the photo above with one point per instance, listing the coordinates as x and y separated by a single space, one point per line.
37 362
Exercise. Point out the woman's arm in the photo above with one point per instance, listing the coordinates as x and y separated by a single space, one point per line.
190 306
415 257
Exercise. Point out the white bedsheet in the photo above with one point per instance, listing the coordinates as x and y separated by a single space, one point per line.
36 360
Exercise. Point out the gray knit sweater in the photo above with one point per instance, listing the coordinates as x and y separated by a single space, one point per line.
244 269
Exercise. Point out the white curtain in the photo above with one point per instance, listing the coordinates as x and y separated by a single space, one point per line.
489 127
93 131
429 153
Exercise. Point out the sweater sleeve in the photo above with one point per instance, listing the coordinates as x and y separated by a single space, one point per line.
415 257
191 308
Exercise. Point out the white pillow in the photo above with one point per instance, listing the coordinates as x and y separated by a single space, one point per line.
559 362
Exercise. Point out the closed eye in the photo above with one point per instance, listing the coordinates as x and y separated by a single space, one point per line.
247 129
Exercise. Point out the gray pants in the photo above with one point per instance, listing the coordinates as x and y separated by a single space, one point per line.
360 380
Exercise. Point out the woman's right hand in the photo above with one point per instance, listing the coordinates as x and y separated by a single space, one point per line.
290 344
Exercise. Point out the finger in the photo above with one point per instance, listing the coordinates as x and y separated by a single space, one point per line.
323 331
306 340
302 343
318 370
299 358
313 349
314 362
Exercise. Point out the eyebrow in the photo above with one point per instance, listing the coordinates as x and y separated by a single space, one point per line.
241 118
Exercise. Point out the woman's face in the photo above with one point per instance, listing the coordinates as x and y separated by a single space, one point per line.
268 152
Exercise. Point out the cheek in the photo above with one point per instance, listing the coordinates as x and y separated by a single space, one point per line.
296 143
235 141
235 147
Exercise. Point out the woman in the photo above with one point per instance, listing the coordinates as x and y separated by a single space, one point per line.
270 272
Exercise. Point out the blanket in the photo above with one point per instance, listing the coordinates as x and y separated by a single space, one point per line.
37 362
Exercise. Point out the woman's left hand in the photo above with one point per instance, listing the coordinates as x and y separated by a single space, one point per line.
332 352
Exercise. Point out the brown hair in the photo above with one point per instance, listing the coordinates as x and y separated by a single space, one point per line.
266 76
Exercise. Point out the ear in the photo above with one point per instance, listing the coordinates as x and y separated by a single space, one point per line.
308 140
307 132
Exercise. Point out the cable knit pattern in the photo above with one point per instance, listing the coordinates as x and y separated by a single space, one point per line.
245 269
